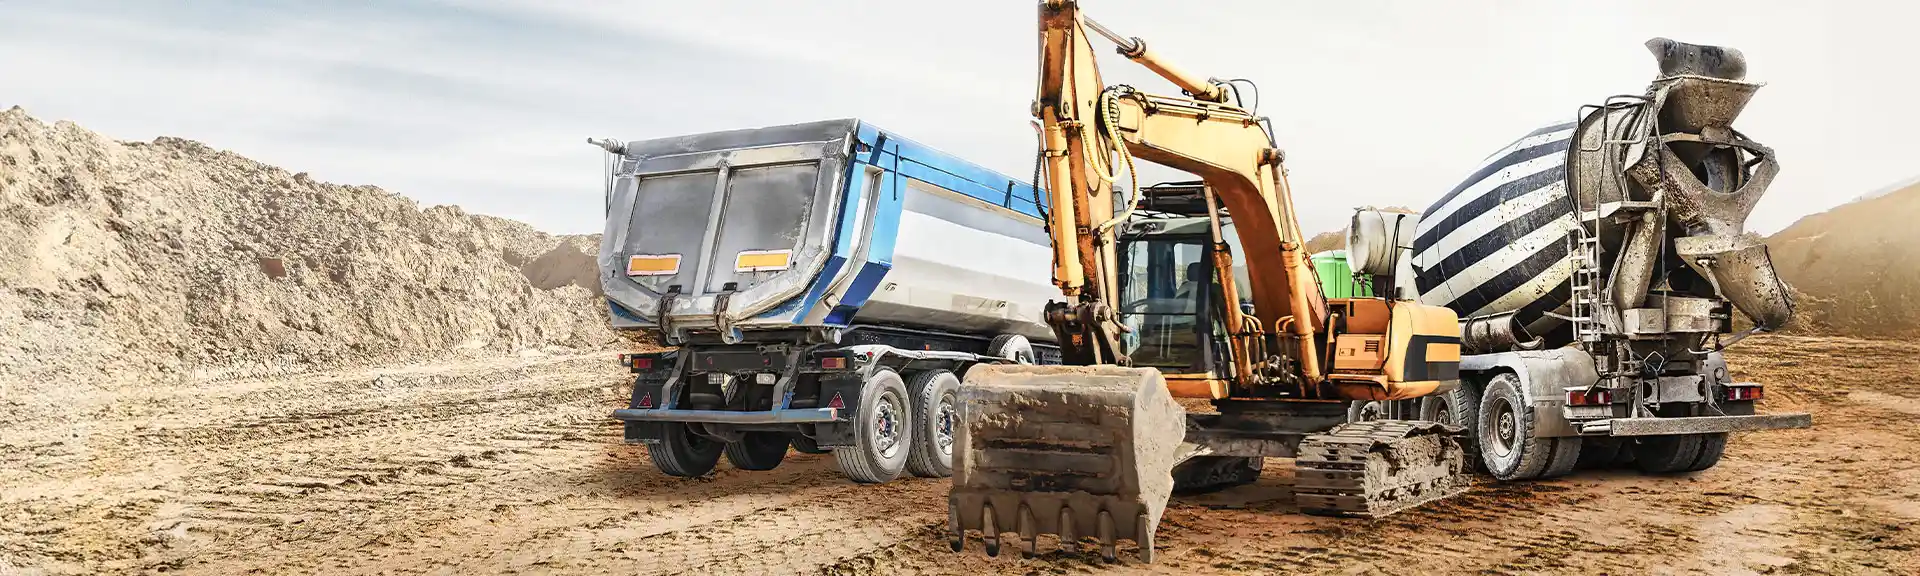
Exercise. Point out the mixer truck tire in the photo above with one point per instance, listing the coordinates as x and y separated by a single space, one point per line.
758 450
1712 446
683 453
1508 445
882 431
1459 407
1603 453
1012 346
1678 453
932 392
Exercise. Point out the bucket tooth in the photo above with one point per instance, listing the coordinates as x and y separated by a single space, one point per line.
1065 448
1108 540
1069 536
1029 535
990 530
956 536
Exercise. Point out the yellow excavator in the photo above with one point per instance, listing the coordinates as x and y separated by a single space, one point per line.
1201 291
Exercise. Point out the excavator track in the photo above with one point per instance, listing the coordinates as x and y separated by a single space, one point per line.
1376 468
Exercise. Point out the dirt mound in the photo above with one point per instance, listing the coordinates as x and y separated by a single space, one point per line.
569 263
131 263
1853 268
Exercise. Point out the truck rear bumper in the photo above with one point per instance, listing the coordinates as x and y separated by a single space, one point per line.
1694 424
792 416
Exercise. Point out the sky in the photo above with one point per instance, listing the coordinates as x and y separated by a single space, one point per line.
487 103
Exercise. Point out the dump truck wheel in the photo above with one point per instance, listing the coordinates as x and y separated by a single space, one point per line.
1012 346
1507 442
1205 474
805 445
934 416
883 431
758 450
1678 453
1460 407
1366 410
683 453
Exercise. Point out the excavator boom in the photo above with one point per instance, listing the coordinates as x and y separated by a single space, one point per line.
1096 447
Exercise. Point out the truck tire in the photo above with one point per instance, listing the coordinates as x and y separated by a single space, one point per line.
1012 346
1204 474
758 450
1602 453
1678 453
932 393
1366 410
683 453
1508 445
805 445
882 431
1460 407
1712 446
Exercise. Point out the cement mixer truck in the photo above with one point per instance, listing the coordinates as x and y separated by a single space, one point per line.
825 283
1597 267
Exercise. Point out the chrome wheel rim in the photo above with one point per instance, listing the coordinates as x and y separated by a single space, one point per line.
943 426
886 426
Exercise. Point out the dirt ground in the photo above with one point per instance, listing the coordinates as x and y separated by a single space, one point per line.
511 465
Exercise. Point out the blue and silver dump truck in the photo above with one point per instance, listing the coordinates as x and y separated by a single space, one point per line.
825 285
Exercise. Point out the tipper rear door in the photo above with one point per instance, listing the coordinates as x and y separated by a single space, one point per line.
740 213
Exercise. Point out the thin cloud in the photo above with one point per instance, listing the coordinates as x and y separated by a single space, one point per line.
484 103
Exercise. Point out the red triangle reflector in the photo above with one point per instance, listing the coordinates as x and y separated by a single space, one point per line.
836 402
646 401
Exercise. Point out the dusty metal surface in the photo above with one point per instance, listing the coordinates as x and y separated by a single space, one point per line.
1699 424
1378 467
1069 450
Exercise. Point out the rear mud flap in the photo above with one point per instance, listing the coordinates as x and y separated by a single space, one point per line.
1075 451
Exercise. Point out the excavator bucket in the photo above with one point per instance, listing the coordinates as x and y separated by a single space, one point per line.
1075 451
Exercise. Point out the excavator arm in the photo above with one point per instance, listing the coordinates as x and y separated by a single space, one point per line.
1090 128
1096 447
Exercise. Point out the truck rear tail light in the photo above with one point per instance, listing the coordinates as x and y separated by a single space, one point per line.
834 363
642 363
1744 393
1589 397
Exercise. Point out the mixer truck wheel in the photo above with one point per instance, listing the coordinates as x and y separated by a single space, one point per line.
1460 407
1712 446
1508 445
1012 346
933 392
758 450
1678 453
683 453
883 431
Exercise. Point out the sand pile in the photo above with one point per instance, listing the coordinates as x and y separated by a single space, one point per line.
131 262
1856 268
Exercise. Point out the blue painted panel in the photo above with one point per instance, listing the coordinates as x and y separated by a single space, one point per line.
895 157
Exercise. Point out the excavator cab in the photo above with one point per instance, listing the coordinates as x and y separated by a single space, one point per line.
1168 295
